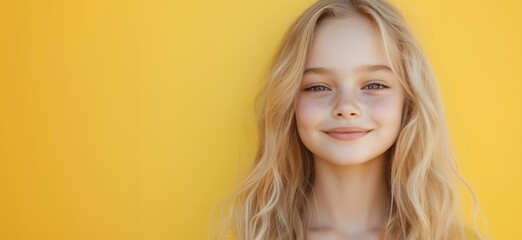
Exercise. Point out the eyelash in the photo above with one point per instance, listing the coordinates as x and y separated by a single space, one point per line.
380 86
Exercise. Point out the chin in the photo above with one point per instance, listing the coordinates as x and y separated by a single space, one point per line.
344 161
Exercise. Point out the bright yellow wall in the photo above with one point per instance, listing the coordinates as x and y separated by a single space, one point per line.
133 119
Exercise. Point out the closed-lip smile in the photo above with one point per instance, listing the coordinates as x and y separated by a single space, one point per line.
347 133
347 130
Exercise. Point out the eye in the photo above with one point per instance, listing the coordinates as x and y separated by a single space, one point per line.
316 88
374 86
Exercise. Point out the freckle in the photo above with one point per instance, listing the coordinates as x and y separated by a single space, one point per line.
320 105
374 102
368 101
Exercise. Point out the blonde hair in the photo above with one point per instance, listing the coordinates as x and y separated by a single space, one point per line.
421 171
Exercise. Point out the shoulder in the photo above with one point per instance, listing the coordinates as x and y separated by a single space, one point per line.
322 235
334 235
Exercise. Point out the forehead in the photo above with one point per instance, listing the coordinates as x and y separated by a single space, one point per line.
346 44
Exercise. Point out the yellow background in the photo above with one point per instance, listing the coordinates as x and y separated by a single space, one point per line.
133 119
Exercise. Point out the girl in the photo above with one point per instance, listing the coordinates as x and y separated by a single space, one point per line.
353 142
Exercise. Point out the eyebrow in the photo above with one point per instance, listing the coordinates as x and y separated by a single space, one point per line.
362 68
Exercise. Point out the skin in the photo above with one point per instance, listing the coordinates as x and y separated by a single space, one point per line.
350 186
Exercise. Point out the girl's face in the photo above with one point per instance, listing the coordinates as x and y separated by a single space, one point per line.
348 83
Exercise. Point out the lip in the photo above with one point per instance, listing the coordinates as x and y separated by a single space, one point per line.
347 133
347 130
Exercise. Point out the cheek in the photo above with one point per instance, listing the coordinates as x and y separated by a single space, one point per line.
309 112
387 110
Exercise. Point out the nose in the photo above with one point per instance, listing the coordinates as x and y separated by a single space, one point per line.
346 105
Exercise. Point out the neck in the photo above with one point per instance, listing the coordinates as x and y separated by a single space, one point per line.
350 199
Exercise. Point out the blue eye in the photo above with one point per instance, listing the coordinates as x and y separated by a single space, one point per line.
317 88
374 86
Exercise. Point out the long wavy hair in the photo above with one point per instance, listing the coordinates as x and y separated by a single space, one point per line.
422 174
